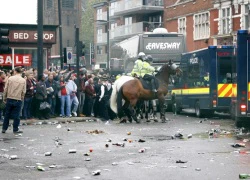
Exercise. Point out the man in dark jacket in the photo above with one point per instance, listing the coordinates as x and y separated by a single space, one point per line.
51 86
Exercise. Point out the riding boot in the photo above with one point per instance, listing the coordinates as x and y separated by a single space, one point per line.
153 85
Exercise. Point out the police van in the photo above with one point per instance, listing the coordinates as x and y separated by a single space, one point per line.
207 81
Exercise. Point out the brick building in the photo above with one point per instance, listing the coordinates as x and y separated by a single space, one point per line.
207 22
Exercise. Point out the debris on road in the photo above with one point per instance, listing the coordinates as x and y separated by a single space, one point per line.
109 140
58 126
245 140
5 150
106 145
244 176
95 132
180 161
48 154
197 169
87 159
86 154
125 139
90 150
128 133
114 164
31 167
13 157
119 144
52 166
142 150
237 145
96 173
189 136
179 135
40 168
72 151
141 140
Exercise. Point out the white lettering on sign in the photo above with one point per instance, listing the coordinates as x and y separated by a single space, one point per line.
45 36
21 36
163 46
19 59
193 60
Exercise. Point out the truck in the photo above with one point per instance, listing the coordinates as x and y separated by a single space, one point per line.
207 81
240 101
160 44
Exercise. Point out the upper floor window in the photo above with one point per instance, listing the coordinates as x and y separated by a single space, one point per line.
225 26
112 8
68 3
128 25
182 25
99 35
49 4
99 14
201 26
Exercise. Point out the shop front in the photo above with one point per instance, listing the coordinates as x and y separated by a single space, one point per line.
23 42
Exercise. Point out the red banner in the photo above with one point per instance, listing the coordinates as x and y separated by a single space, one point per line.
19 59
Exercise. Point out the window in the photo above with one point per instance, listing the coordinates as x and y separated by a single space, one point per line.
99 14
128 25
49 4
99 35
68 3
201 26
68 21
246 17
182 25
99 50
112 8
67 43
112 29
225 21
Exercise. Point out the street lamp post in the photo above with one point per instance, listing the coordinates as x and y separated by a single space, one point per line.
108 48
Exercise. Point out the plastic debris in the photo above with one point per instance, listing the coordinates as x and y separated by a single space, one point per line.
39 164
109 140
58 126
86 154
141 140
95 132
13 157
180 161
87 159
245 140
198 169
48 154
244 176
5 150
76 177
72 151
189 136
40 168
125 139
179 135
114 164
52 166
96 173
142 150
119 144
237 145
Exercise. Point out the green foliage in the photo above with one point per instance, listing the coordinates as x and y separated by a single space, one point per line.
87 31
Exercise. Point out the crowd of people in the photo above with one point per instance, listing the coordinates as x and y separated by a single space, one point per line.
66 94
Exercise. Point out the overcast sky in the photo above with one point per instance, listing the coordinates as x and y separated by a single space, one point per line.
18 11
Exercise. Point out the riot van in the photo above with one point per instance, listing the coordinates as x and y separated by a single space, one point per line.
207 81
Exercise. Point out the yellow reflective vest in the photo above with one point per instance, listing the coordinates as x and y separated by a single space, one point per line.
147 69
137 67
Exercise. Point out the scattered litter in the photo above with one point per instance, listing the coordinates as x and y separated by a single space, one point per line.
72 151
130 140
179 135
245 140
5 150
119 144
87 159
31 167
141 140
106 145
86 154
125 139
13 157
95 132
72 121
142 150
189 136
90 150
40 168
128 133
236 145
48 154
81 141
109 140
39 164
200 121
244 176
197 169
96 173
58 126
76 177
114 164
52 166
68 129
131 163
183 166
180 161
106 170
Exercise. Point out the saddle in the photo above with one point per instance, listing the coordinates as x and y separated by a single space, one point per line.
147 84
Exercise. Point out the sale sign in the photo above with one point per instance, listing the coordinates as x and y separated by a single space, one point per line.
19 59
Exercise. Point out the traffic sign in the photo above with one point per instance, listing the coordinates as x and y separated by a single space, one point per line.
69 55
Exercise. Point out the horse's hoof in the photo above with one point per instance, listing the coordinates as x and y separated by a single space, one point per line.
148 120
156 120
163 121
123 121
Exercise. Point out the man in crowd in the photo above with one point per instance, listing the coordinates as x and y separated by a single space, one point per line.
13 96
72 88
3 79
51 85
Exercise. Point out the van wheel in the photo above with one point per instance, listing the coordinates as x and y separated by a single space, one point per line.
198 111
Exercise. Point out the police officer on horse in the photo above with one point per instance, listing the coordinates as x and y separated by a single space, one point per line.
147 72
136 72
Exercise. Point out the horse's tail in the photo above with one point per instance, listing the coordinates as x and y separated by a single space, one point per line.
119 102
113 103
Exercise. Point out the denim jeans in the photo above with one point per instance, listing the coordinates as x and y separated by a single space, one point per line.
74 102
65 100
27 107
52 102
13 108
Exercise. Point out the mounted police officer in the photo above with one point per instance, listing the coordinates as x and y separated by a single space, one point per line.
147 72
138 65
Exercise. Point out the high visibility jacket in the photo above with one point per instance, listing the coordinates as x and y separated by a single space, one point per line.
137 67
147 69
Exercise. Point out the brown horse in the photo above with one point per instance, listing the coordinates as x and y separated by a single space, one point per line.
127 91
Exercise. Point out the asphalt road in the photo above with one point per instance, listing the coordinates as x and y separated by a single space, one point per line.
206 158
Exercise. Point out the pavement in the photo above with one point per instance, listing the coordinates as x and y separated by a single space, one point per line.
115 150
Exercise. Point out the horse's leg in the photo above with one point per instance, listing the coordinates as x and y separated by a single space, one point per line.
132 110
128 111
154 109
162 109
147 108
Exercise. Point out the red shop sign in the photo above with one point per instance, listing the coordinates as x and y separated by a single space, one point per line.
19 59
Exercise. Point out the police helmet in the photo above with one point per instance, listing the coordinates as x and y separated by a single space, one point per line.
149 58
141 55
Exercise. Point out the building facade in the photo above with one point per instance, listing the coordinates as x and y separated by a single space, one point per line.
117 20
207 22
71 13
